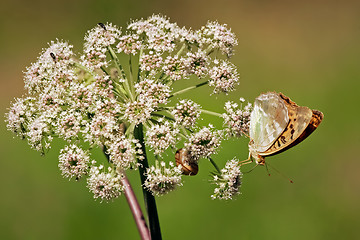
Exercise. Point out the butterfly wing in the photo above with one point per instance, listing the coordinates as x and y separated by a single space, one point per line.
302 122
268 120
316 119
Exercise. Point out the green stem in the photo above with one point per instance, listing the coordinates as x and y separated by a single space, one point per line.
139 70
118 65
121 91
183 136
183 129
181 49
214 164
189 88
121 71
78 65
129 130
149 199
163 116
104 70
131 76
211 113
209 49
133 203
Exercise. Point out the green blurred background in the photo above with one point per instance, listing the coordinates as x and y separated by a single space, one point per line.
308 50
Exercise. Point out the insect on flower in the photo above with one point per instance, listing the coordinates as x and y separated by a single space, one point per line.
183 159
278 124
96 100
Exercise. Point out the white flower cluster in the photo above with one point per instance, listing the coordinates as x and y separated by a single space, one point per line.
219 36
197 63
228 182
102 128
160 137
160 34
93 98
105 185
150 62
203 143
175 68
186 112
22 111
161 180
96 45
139 111
69 124
53 69
151 91
237 120
223 76
123 152
38 134
129 44
73 162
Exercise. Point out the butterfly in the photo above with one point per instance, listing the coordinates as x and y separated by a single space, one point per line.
277 124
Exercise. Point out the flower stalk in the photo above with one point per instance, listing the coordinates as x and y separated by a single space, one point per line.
90 98
135 209
189 88
133 204
149 199
211 113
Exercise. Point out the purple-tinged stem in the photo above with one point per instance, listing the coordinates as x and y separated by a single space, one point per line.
133 204
135 209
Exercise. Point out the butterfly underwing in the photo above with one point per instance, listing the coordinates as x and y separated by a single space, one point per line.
277 124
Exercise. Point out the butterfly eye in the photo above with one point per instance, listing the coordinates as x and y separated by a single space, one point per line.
188 166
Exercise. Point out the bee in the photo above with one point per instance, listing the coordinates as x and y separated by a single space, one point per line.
188 166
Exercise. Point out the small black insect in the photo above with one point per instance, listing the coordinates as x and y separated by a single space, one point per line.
102 25
53 56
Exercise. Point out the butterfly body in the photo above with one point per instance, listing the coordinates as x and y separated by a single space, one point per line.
277 124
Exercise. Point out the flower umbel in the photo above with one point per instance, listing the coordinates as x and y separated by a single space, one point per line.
237 120
105 185
123 151
218 37
73 162
228 181
186 112
98 100
161 180
223 76
160 137
96 45
203 143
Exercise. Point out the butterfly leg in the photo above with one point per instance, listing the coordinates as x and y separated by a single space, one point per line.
246 161
243 132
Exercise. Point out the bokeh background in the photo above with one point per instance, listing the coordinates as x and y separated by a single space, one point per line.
308 50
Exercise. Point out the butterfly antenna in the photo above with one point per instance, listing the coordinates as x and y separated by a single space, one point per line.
283 175
251 169
267 169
